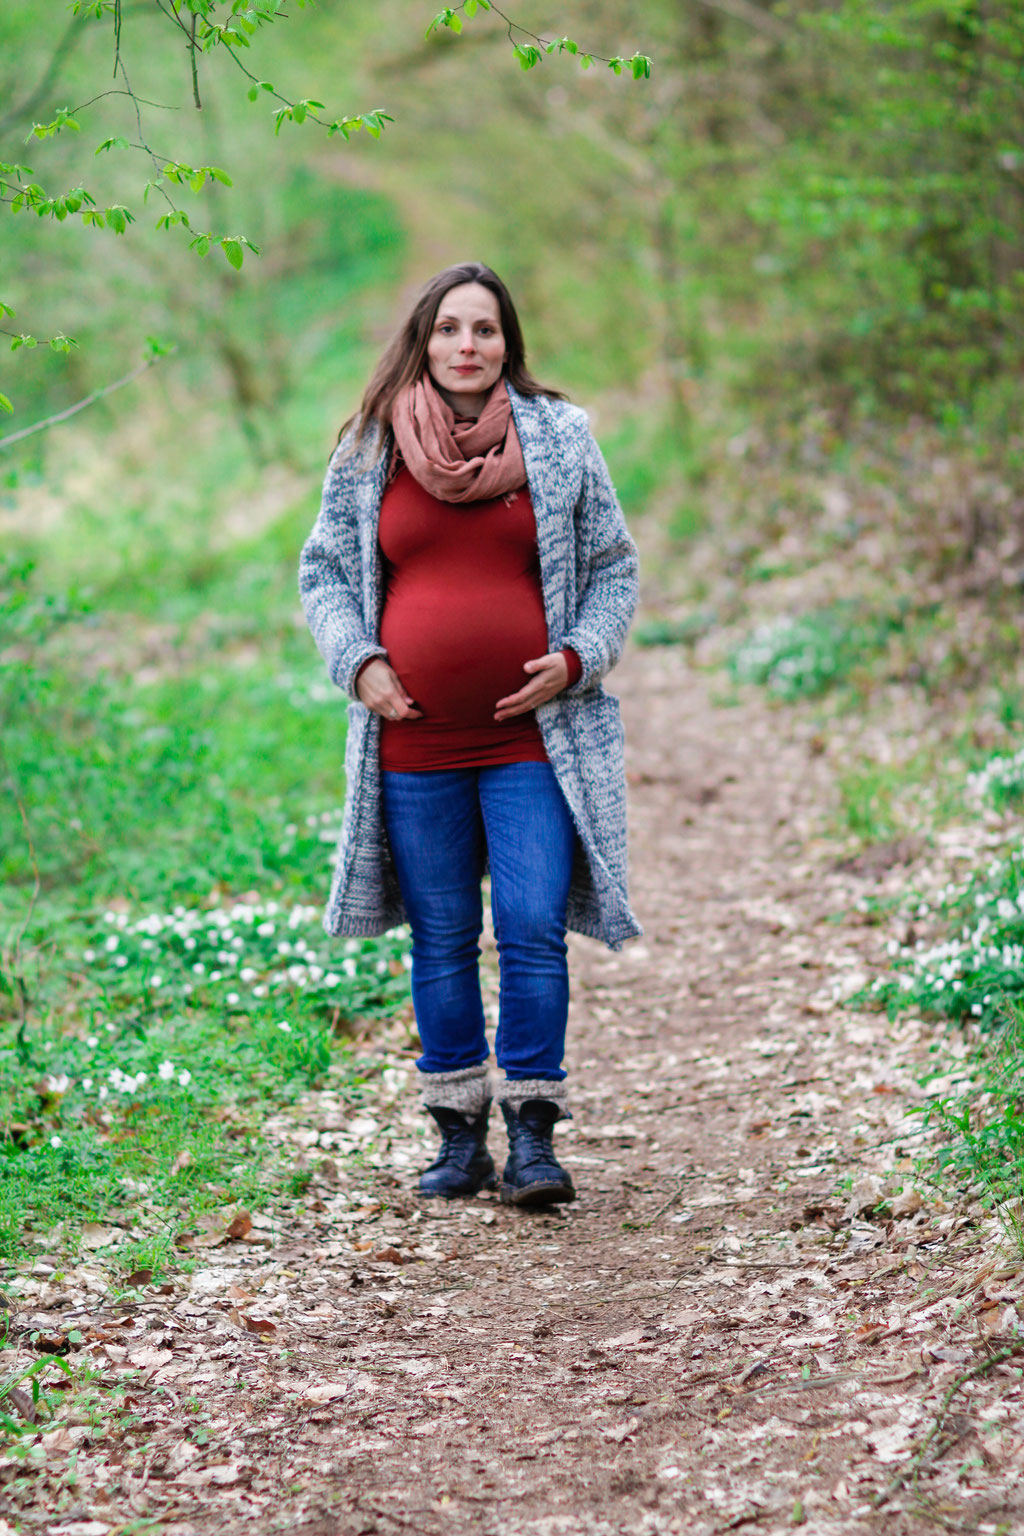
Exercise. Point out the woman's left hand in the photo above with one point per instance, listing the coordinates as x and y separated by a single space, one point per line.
550 675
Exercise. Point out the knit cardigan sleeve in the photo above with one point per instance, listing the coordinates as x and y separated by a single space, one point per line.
331 577
606 574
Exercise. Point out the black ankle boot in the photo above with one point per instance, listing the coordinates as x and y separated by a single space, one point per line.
533 1175
463 1166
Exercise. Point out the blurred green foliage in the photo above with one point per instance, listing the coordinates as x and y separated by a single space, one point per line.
795 253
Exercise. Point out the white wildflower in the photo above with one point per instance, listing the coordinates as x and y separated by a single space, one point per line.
86 1084
55 1141
165 1071
184 1078
231 999
285 1026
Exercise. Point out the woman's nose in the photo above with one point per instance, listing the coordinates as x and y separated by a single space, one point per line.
467 344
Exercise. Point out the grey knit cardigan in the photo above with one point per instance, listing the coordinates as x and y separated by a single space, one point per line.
588 567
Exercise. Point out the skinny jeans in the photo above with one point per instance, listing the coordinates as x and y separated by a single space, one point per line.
442 826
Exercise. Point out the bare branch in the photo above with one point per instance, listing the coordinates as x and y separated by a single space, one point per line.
72 410
195 65
117 36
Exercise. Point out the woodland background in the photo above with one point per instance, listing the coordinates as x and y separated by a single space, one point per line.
785 275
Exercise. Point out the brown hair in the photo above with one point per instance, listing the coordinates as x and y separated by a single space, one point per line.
405 357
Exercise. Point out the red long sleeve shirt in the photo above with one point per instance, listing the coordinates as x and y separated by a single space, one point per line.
463 610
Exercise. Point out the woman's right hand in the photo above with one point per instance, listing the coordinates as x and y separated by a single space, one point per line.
379 689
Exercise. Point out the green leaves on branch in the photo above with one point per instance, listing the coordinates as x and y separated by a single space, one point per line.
233 246
530 54
48 130
118 219
193 176
296 112
527 55
58 343
373 122
33 199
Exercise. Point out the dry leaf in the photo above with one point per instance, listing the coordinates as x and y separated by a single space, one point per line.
241 1226
221 1477
149 1359
907 1203
258 1325
79 1528
323 1392
388 1256
621 1432
626 1340
96 1234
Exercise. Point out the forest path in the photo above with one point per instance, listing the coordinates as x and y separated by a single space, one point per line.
709 1339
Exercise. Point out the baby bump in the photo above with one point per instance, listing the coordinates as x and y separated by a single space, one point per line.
457 658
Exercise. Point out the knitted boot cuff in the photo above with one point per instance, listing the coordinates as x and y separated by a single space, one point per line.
468 1089
514 1093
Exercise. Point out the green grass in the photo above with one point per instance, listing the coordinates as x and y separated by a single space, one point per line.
981 1122
867 802
164 978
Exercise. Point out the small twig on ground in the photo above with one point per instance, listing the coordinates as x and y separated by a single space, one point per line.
909 1472
634 1226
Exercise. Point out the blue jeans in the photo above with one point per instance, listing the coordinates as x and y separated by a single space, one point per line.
440 824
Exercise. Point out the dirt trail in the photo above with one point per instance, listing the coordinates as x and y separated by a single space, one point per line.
709 1339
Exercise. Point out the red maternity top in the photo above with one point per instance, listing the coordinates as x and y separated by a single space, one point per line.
463 609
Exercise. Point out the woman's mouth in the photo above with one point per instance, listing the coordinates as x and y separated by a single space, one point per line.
466 368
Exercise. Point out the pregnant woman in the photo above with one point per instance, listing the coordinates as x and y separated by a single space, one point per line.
469 582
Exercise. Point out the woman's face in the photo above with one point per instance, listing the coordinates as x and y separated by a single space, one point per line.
466 350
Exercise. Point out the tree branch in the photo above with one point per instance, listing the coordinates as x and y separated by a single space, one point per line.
72 410
195 65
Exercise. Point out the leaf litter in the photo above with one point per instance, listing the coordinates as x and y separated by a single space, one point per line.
759 1313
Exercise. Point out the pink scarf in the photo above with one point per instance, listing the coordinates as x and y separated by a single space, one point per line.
458 461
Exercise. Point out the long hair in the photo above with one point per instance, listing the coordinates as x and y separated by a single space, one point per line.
405 357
